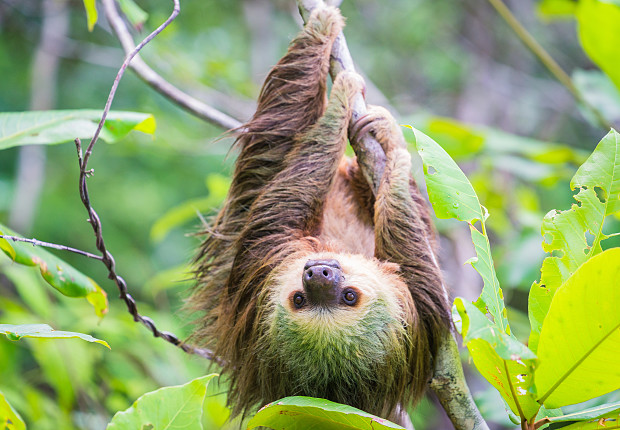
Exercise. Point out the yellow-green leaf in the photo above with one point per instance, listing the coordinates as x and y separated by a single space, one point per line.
91 13
580 339
59 274
9 418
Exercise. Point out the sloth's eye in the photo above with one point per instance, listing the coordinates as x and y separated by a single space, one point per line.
298 300
349 297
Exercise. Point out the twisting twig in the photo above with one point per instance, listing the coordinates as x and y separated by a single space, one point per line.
107 258
158 83
35 242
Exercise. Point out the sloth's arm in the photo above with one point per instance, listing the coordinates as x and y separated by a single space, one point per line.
292 99
403 232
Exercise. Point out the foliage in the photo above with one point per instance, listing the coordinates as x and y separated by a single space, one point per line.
148 190
16 332
579 326
307 412
52 127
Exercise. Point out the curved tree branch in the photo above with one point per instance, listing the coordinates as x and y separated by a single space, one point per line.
158 83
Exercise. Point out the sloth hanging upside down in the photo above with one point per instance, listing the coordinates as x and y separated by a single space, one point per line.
309 284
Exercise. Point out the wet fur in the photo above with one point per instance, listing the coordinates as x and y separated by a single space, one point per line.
295 197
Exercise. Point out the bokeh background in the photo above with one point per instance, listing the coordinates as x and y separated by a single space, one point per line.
452 68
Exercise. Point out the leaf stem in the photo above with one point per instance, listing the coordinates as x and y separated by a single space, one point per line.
532 44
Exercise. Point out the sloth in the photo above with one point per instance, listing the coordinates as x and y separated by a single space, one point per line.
307 282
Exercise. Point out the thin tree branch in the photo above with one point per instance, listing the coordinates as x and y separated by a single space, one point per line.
157 82
35 242
554 68
107 258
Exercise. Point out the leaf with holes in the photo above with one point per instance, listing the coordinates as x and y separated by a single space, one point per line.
580 339
167 408
9 418
504 361
311 413
60 126
452 196
565 233
16 332
59 274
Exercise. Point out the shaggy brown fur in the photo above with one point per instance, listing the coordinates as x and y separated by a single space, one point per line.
295 197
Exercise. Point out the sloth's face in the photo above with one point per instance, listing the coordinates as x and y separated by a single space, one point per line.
332 286
333 295
335 320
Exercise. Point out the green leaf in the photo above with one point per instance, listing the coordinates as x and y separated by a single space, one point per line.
59 126
553 9
598 31
218 187
564 233
590 413
310 413
605 422
91 13
580 339
504 361
136 15
59 274
9 418
167 408
598 90
16 332
452 196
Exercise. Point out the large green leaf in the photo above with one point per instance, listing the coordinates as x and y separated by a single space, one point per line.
303 413
580 339
452 196
60 275
59 126
565 233
16 332
551 9
504 361
175 407
9 418
599 22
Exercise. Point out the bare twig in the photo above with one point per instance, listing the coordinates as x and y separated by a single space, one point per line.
35 242
536 48
107 258
158 83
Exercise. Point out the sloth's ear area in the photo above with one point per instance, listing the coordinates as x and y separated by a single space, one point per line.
391 268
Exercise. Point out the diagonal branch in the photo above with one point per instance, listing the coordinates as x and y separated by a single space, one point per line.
157 82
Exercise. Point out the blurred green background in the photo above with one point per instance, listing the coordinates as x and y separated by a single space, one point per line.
451 68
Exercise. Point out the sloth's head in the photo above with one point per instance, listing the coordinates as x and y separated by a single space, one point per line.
338 327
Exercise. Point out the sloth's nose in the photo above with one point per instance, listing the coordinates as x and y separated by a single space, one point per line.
321 281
